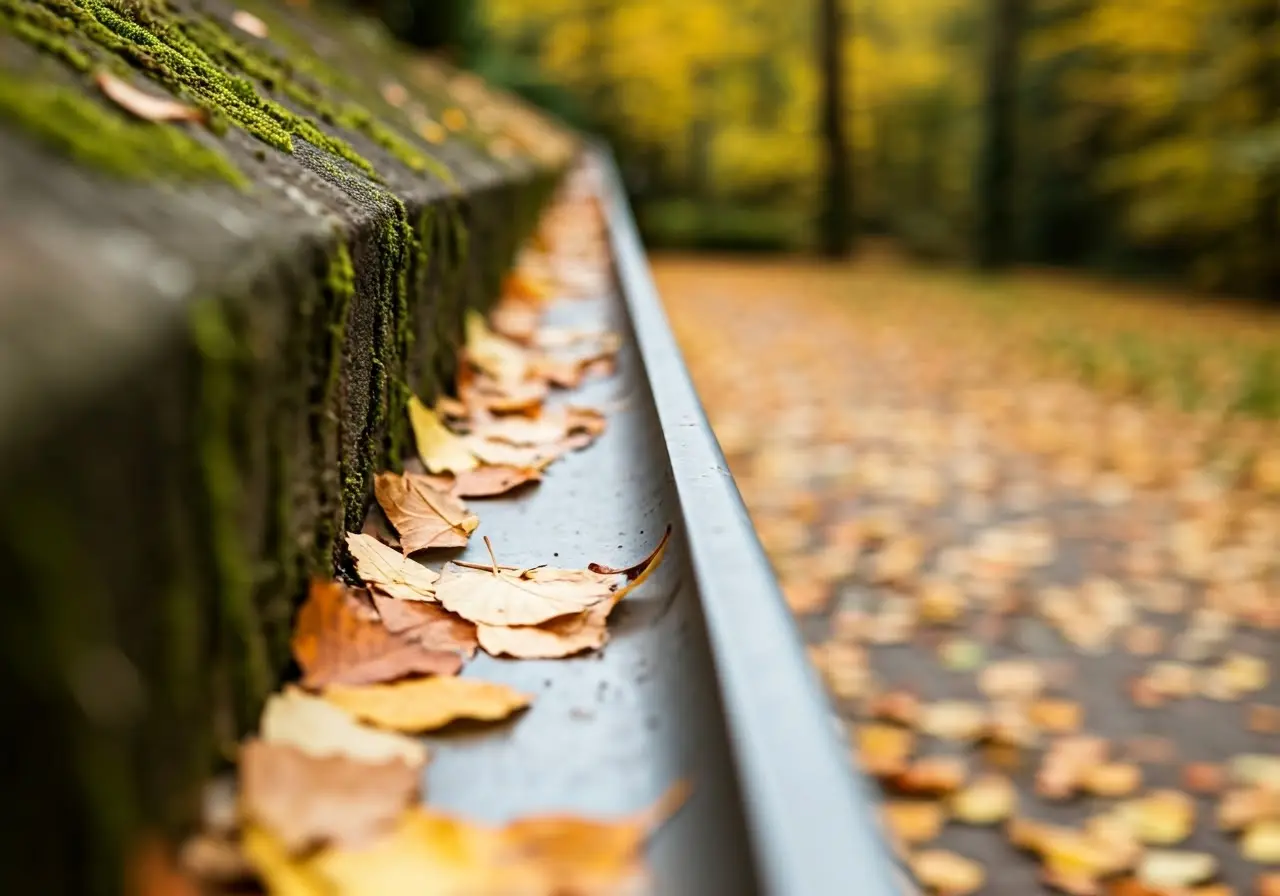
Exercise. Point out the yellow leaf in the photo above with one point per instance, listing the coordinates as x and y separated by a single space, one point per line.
441 451
281 875
425 704
319 728
387 570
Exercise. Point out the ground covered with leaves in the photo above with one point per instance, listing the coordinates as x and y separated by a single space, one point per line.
1031 530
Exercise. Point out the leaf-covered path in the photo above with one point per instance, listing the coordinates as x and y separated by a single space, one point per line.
1012 519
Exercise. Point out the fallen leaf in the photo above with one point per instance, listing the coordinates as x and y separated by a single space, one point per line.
491 480
1261 770
1168 869
1057 716
430 625
941 601
1246 674
947 873
425 704
898 560
544 856
1261 842
334 644
502 596
308 801
146 106
280 874
568 635
989 799
953 720
319 728
152 870
249 23
504 360
1241 808
914 821
423 516
1162 817
883 749
902 707
1202 777
387 570
1065 763
1112 779
441 451
1011 680
933 775
1268 883
1264 719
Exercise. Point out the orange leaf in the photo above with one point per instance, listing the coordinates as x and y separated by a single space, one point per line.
425 704
430 625
335 643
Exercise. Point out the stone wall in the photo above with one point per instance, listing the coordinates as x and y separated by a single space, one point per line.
207 336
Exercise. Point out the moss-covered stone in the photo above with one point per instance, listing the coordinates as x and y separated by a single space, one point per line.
210 336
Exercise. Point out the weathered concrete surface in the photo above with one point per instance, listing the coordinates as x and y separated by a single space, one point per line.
198 376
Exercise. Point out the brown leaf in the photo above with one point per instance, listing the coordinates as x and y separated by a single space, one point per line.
146 106
1268 883
1203 777
423 516
1264 719
902 707
1057 716
1113 779
1244 807
425 704
883 749
389 571
430 625
1065 763
335 644
307 801
931 776
489 481
152 870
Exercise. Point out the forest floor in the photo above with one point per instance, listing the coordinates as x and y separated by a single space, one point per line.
1030 528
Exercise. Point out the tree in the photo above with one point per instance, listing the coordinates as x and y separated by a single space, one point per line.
997 160
835 227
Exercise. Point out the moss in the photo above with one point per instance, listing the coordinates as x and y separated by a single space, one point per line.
338 291
81 128
218 347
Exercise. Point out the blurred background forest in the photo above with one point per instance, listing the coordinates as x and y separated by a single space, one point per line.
1140 138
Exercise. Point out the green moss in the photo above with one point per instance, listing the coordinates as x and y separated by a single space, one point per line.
81 128
339 289
218 347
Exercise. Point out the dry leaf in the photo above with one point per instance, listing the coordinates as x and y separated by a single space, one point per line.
146 106
947 873
1268 883
1168 869
941 601
902 707
1261 842
568 635
423 516
441 451
489 481
425 704
1241 808
545 856
335 644
988 800
1057 716
497 356
249 23
1065 764
1202 777
898 561
1262 770
308 801
430 625
1264 719
502 596
953 720
914 821
883 749
1011 680
152 870
1162 817
933 775
318 728
1113 779
387 570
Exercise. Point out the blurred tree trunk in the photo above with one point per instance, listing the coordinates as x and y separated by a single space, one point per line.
1265 28
835 226
997 162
